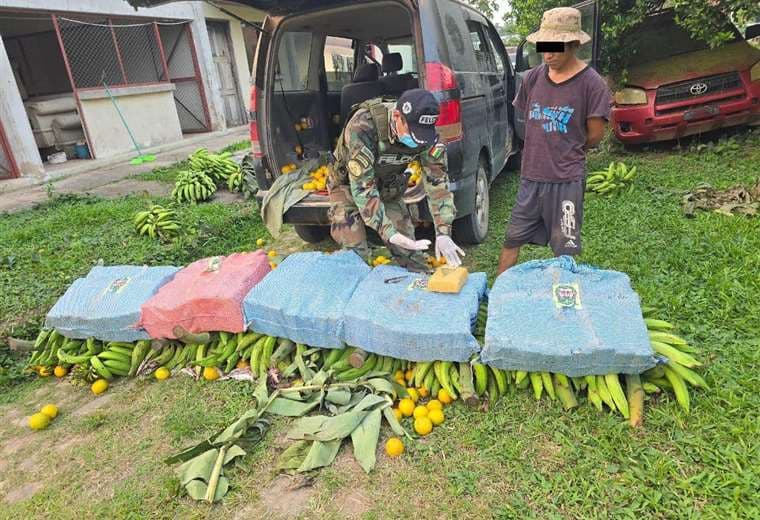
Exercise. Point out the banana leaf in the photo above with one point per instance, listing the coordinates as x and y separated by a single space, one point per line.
364 439
290 408
320 455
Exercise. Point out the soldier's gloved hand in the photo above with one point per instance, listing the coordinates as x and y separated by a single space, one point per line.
397 239
446 248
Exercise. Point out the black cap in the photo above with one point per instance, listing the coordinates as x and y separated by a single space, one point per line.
420 109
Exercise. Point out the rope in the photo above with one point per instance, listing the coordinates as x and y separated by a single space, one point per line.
121 25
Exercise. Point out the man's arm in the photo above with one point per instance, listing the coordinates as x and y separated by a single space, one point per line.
594 131
362 146
435 180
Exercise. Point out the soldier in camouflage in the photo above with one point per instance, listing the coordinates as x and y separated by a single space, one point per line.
368 180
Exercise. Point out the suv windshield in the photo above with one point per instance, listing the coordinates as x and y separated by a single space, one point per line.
659 37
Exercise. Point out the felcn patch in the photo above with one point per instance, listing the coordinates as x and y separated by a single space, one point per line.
365 158
437 151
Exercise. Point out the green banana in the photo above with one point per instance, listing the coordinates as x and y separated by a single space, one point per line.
688 375
493 390
604 393
421 371
116 356
100 368
355 373
501 379
537 383
593 393
331 358
674 354
617 393
666 337
481 378
546 379
655 324
679 387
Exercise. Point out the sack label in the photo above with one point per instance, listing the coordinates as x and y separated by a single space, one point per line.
567 295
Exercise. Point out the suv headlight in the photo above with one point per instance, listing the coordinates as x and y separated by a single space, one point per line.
754 72
631 96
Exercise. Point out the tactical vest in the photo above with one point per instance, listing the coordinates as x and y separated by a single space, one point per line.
391 160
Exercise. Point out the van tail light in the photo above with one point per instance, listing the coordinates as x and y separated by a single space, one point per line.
442 82
254 125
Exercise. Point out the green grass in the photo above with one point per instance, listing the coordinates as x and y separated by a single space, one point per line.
520 459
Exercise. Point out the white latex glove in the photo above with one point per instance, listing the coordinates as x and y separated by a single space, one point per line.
446 248
397 239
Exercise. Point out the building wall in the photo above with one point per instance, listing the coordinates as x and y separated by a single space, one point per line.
194 11
148 110
16 124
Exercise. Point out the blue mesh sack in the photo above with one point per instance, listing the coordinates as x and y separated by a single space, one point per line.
304 298
106 303
393 314
557 316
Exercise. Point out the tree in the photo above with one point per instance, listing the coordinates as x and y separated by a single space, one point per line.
487 7
707 20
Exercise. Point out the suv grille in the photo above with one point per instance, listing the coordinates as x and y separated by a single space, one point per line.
695 88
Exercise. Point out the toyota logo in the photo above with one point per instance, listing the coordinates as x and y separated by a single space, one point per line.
698 89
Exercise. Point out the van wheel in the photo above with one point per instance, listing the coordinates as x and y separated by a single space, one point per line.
312 234
473 228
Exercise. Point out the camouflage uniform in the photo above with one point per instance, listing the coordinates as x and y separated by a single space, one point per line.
367 184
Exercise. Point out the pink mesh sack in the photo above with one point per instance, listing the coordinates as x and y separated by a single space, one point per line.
205 296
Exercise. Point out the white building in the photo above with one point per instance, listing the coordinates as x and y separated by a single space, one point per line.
172 70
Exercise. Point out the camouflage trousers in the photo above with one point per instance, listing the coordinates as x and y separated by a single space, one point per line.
348 229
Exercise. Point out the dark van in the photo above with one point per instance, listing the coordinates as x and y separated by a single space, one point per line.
316 60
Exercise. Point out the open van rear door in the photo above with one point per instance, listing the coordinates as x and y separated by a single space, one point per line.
527 57
276 7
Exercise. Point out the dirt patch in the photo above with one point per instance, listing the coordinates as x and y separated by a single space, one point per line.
287 497
71 441
351 505
22 492
16 444
95 404
28 464
3 464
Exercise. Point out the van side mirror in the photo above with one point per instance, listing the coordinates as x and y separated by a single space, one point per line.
752 31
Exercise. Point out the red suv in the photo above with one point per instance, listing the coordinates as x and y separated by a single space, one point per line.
678 86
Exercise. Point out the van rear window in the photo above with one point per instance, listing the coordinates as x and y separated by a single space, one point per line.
293 57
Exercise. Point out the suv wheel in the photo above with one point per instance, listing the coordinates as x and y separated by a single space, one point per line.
473 228
312 234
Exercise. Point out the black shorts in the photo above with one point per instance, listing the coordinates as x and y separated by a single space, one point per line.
548 213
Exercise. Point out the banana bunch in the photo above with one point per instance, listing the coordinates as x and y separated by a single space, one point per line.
219 167
193 186
235 181
414 170
614 179
676 373
156 222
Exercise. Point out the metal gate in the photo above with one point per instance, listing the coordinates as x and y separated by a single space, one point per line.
135 52
8 168
184 72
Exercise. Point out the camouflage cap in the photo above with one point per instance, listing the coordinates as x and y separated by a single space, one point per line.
562 24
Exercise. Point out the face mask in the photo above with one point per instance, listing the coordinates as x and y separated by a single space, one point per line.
407 140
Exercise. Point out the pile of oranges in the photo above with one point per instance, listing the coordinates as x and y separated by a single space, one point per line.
425 415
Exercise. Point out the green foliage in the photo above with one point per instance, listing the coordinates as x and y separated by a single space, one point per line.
487 7
707 20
